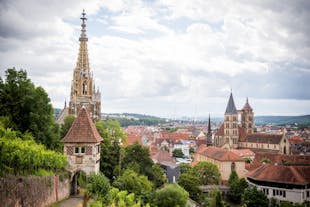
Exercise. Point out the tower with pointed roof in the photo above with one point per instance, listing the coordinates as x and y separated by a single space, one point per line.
247 117
83 92
231 133
82 145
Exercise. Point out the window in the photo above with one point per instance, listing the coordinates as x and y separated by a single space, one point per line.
98 148
284 194
79 150
233 166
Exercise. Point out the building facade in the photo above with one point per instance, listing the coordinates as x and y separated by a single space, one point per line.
230 132
233 134
282 182
82 145
225 160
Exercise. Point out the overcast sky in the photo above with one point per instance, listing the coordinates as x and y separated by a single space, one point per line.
169 58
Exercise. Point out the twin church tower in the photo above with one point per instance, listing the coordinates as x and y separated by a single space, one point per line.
83 91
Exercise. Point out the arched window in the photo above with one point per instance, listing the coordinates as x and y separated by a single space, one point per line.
233 166
84 89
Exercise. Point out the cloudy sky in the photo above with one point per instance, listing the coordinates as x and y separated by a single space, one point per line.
169 58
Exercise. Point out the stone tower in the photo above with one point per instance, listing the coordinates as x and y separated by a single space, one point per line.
83 91
231 133
82 145
247 118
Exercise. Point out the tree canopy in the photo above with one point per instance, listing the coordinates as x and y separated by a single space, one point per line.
133 183
191 184
207 173
137 157
28 108
252 197
111 151
177 153
171 195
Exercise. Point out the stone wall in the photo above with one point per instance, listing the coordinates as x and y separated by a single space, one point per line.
33 191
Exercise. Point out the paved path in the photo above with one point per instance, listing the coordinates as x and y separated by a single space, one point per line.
73 201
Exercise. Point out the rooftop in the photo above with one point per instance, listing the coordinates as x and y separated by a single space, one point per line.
83 130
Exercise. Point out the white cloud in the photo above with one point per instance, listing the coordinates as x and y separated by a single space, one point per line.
152 57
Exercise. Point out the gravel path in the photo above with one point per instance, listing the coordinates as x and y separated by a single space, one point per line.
74 201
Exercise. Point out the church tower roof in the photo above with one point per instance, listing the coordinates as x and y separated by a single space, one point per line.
247 105
231 108
83 130
83 62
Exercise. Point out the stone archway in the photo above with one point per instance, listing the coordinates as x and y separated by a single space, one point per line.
74 186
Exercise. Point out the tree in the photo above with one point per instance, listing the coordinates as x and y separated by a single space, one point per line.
185 168
98 184
215 200
134 183
171 195
233 178
157 177
111 151
252 197
191 184
237 189
28 108
207 173
177 153
140 155
66 125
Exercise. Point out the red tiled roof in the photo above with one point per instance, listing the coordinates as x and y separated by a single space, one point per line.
247 106
296 140
220 131
243 152
219 154
264 138
280 158
163 156
82 130
201 148
132 138
281 174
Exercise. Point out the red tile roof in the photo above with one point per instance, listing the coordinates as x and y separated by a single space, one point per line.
243 152
264 138
296 140
247 105
279 159
132 138
281 174
163 156
83 130
219 154
220 131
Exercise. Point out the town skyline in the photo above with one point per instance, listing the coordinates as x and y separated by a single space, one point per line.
158 58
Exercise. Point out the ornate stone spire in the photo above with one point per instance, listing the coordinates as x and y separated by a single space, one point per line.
83 62
82 88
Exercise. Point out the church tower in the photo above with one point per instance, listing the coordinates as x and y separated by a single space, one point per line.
209 134
83 92
247 118
231 134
